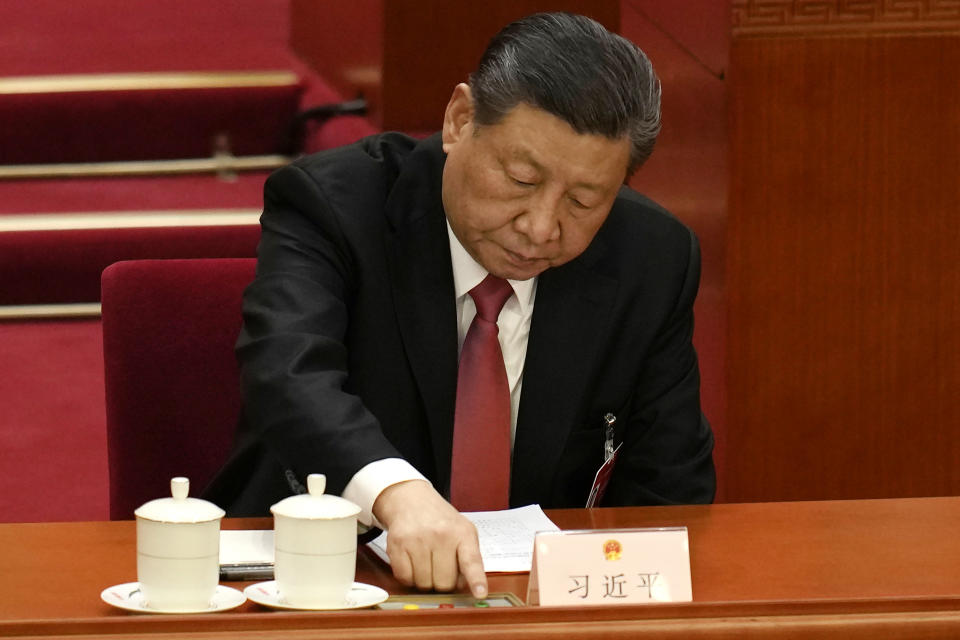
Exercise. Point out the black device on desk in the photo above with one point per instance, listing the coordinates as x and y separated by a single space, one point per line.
246 572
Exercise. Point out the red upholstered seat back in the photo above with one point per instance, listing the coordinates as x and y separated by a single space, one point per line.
172 382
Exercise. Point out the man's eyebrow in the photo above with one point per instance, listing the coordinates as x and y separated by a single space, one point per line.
590 186
522 155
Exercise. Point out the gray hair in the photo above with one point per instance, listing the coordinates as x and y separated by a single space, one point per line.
572 67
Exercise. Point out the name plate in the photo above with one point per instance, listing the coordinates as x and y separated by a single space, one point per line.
610 566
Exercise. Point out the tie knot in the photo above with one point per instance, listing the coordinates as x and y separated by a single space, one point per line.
490 296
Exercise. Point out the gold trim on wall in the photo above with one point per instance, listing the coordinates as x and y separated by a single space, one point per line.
753 18
128 219
41 311
146 81
224 164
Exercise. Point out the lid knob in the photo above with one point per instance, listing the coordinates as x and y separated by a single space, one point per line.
315 504
180 487
179 508
316 484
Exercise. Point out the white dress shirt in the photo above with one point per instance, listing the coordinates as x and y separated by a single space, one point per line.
514 323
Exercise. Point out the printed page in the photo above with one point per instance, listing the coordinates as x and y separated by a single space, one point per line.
246 547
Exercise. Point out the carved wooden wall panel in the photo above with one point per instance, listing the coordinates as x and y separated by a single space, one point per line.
850 17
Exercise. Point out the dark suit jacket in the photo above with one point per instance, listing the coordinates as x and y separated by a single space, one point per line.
349 345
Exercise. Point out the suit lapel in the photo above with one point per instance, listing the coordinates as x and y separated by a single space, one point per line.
422 282
570 317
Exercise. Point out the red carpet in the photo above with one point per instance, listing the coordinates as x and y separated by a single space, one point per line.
52 417
52 436
158 193
44 37
157 124
109 36
46 267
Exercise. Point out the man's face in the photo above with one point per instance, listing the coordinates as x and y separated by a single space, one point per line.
529 192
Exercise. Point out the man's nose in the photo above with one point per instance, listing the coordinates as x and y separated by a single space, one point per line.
540 220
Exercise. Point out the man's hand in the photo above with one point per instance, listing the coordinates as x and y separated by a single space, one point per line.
429 543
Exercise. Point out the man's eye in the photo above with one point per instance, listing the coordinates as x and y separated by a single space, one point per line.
522 183
578 204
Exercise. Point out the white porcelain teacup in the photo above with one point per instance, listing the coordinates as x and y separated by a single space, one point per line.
178 550
315 547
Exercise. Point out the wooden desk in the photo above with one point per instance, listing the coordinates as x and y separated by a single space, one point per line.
854 569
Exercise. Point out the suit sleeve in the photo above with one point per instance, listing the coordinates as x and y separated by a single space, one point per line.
292 347
666 455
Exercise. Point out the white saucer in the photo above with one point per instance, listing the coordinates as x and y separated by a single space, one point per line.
360 596
128 596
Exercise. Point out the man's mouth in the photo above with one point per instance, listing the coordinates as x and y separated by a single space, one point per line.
516 257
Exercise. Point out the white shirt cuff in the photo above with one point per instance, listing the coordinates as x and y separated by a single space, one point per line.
366 485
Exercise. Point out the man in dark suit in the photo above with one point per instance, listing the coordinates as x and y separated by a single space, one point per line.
352 327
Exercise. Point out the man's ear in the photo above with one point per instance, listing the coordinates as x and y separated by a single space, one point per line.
459 115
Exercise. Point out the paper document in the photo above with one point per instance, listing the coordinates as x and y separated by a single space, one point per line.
246 547
506 537
506 540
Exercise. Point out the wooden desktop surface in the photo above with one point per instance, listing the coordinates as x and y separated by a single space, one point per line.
851 569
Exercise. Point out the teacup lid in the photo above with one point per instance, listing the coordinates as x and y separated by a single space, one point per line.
315 505
179 508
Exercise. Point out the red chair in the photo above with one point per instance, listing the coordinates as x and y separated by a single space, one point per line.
172 382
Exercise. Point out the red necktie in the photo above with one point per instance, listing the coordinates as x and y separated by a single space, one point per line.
480 473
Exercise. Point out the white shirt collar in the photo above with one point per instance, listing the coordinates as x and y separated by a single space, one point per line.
467 274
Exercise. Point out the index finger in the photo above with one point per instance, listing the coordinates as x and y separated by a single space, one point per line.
471 567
